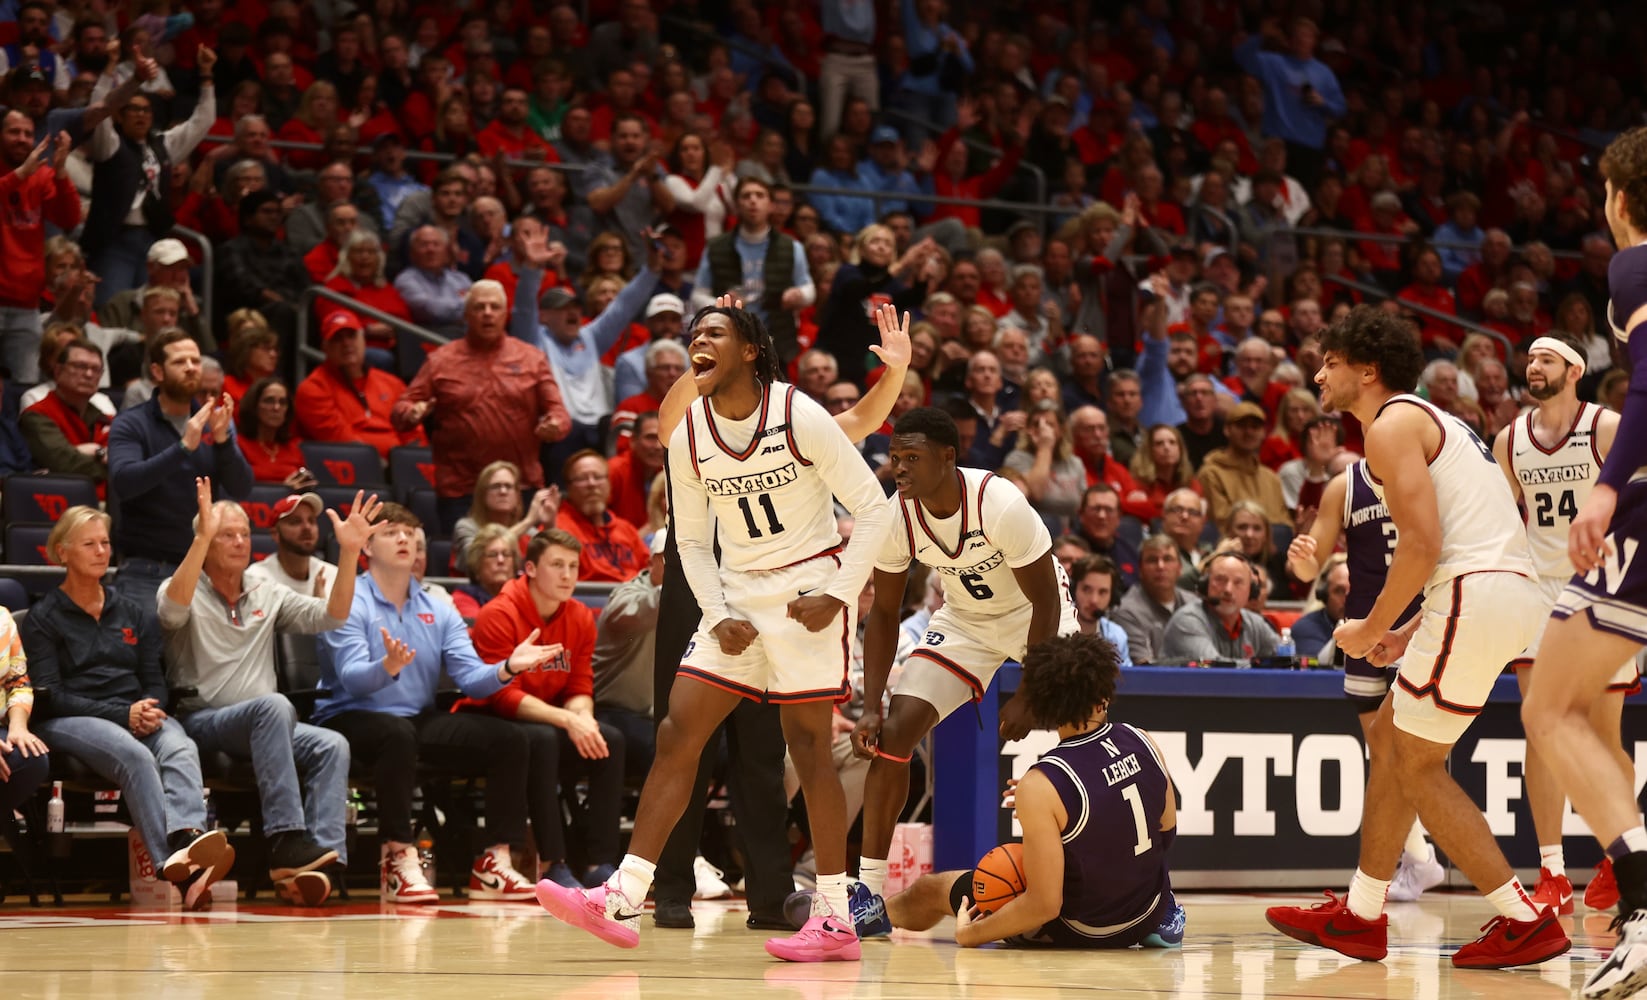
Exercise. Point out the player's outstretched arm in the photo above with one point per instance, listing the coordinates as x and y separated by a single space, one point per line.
1042 816
870 412
880 646
1304 553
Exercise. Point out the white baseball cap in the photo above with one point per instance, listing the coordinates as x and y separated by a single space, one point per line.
665 303
167 252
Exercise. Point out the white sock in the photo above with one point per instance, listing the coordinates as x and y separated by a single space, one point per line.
1367 895
832 890
634 877
1417 847
872 873
1510 900
1551 859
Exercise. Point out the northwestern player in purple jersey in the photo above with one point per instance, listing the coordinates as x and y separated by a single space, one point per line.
1098 815
1600 620
1355 513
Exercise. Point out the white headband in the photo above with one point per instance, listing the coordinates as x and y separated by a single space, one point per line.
1560 349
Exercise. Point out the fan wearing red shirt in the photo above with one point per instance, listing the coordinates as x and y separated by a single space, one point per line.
556 704
612 548
1089 433
343 400
1427 290
632 472
509 134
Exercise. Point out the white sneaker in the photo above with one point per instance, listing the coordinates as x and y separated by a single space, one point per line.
711 880
494 877
402 879
1413 876
1625 970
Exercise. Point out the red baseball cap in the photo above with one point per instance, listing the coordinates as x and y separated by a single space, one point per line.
290 503
339 321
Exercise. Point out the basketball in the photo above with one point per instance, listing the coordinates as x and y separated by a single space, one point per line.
998 878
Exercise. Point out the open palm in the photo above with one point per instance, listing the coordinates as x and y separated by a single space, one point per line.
893 350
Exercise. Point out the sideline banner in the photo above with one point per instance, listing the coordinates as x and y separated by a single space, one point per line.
1269 767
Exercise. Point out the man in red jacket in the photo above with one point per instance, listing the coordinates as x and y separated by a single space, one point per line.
612 547
558 695
34 191
343 400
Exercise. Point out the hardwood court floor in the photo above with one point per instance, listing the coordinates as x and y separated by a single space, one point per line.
480 951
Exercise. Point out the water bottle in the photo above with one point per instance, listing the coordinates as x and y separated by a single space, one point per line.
1287 649
54 809
426 854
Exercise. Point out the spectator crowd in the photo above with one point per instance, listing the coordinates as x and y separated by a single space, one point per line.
1120 230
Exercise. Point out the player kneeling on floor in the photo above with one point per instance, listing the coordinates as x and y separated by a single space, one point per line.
1098 815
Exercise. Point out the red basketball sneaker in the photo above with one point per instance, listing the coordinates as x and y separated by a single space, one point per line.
1602 892
1509 943
1332 925
1554 891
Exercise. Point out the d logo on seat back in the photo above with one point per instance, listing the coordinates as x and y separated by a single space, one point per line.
343 472
53 504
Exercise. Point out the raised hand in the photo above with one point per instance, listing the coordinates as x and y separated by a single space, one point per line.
210 520
222 416
545 505
396 654
735 635
205 59
728 301
893 350
196 427
60 151
352 533
32 162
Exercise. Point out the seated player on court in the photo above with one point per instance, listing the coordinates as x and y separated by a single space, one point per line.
1098 816
1003 591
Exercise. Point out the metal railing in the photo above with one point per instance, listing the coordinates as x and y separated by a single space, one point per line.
1423 310
305 310
1364 237
208 265
419 154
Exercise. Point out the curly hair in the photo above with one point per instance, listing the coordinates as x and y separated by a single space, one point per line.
1067 678
750 330
938 426
1370 336
1624 165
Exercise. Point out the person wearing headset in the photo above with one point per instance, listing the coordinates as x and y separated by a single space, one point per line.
1222 624
1313 631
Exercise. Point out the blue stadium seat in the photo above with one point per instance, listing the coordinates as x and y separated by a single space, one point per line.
26 544
421 502
259 505
43 499
13 595
344 463
411 467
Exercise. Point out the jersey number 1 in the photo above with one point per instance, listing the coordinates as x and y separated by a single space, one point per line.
1139 821
1566 507
773 525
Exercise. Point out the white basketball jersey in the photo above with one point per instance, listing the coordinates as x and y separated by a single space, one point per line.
771 507
1481 529
1555 483
975 549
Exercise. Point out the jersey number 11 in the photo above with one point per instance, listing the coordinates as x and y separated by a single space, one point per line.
773 525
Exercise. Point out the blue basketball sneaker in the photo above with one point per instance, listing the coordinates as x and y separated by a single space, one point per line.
1170 932
868 912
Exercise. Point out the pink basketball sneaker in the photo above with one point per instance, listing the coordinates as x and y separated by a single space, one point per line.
822 939
602 911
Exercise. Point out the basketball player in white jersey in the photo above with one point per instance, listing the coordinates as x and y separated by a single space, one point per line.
1600 619
1003 592
1460 542
1552 457
756 463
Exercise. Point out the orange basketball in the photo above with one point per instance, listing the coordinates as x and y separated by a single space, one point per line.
998 878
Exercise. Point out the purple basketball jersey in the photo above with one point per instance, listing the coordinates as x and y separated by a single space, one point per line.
1114 789
1369 545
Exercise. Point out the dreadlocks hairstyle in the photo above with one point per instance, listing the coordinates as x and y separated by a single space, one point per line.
750 330
1370 336
938 426
1068 678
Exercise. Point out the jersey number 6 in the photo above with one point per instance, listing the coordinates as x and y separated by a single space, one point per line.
975 586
